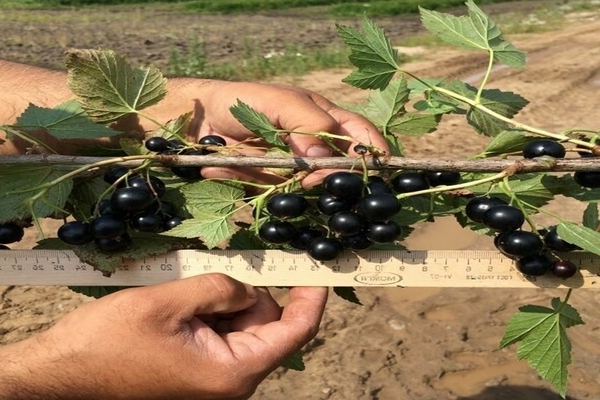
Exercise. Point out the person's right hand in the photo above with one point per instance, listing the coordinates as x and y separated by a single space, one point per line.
206 337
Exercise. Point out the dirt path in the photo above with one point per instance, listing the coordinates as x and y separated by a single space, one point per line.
428 344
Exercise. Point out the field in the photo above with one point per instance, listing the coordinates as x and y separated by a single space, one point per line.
425 344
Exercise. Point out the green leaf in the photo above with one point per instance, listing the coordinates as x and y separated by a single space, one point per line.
568 187
507 142
584 237
544 342
257 123
246 239
475 31
214 230
65 121
295 362
176 128
412 124
347 293
590 216
535 189
108 87
384 106
372 53
85 195
212 197
97 291
15 198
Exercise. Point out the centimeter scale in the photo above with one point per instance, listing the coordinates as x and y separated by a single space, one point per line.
428 268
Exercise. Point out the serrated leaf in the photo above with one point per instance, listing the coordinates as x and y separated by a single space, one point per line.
295 362
586 238
257 123
175 128
590 216
568 187
411 124
544 342
372 53
108 87
212 197
14 200
347 293
507 142
214 230
65 121
132 146
383 106
97 291
85 195
246 239
475 31
535 189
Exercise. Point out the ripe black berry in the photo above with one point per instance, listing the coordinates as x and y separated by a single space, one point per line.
563 269
147 222
356 242
306 234
544 147
503 218
150 184
189 173
407 182
114 174
172 223
519 243
10 233
360 149
157 144
329 204
377 188
107 226
277 232
383 232
534 265
212 140
379 207
76 233
287 205
556 243
346 223
131 199
588 179
324 249
438 178
479 205
343 184
114 244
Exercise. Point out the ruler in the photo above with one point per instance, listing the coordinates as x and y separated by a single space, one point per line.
428 268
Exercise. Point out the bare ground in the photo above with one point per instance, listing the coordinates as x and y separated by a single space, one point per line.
419 343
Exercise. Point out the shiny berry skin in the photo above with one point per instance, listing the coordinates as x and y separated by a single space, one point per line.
324 249
383 232
588 179
212 140
10 233
556 243
407 182
534 265
346 223
377 188
479 205
114 244
75 232
107 226
328 204
150 184
378 207
356 242
544 147
439 178
172 223
114 174
287 205
519 243
343 184
105 208
147 222
188 173
131 199
360 149
503 218
306 234
175 144
4 247
157 144
563 269
277 232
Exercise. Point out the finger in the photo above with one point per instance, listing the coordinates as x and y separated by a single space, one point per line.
264 311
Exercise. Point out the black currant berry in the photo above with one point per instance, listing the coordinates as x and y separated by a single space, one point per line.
164 208
519 243
130 199
378 207
360 149
503 218
188 173
407 182
563 269
10 233
343 184
107 226
150 184
4 247
115 174
479 205
544 147
287 205
439 178
172 223
377 188
346 223
556 243
534 265
175 144
328 204
277 232
114 244
212 140
147 222
324 249
306 234
157 144
105 208
383 232
588 179
356 242
75 232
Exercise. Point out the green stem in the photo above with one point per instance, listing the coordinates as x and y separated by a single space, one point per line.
488 72
514 199
27 138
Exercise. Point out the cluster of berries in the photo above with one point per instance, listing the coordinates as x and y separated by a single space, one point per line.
134 204
526 248
10 233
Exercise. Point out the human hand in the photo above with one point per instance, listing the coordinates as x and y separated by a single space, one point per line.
203 337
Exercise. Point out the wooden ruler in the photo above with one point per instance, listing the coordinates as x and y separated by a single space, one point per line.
430 268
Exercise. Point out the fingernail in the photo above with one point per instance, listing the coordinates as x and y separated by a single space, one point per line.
318 151
251 291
